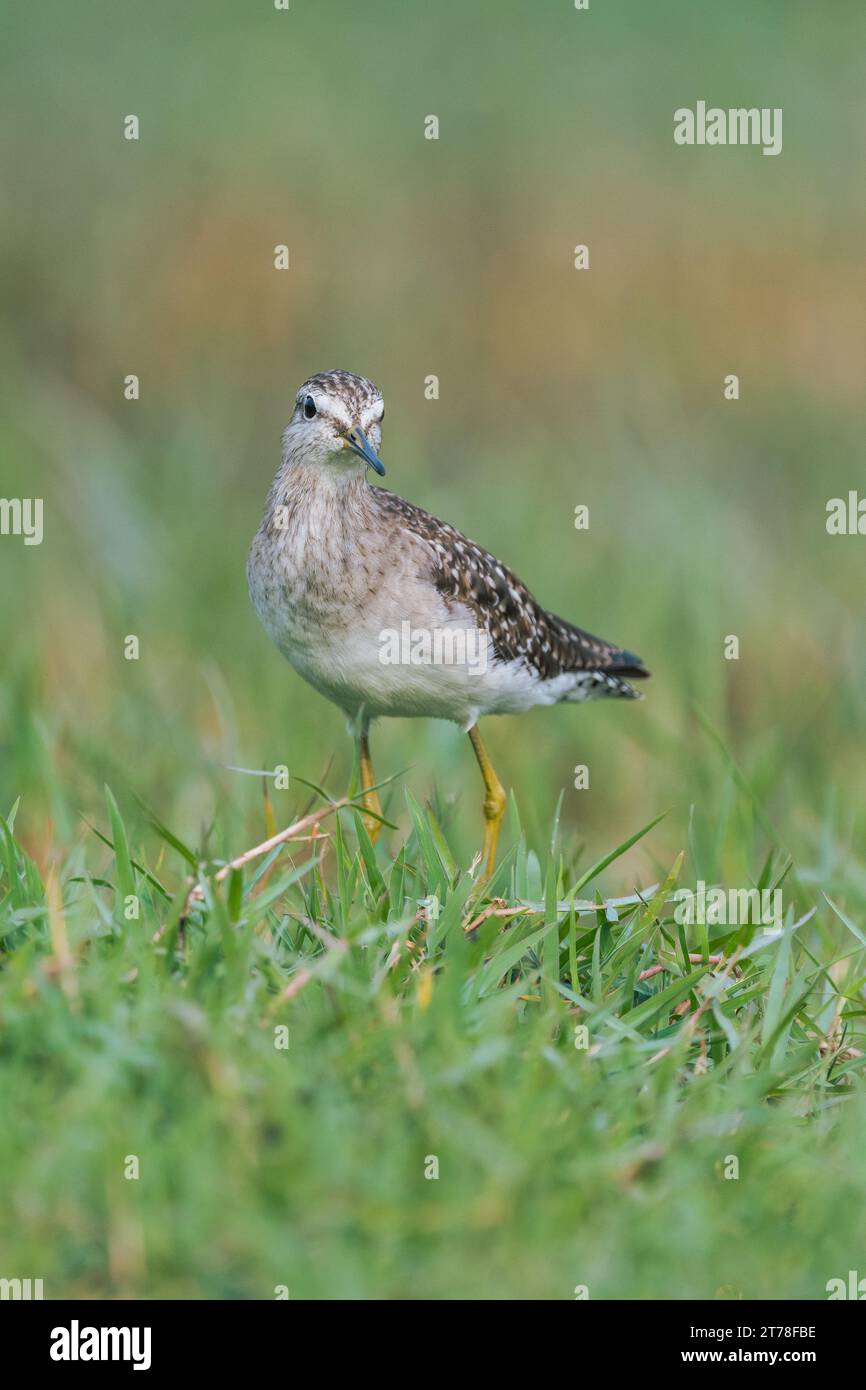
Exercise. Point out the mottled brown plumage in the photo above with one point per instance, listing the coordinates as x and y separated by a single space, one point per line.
503 606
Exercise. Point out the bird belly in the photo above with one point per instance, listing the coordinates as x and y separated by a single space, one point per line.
397 672
395 648
384 658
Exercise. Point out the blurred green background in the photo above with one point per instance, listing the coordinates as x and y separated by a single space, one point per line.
409 258
455 257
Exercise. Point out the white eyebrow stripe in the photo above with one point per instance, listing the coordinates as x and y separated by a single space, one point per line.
342 409
332 406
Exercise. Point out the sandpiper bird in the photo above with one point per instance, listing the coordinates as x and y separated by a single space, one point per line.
338 567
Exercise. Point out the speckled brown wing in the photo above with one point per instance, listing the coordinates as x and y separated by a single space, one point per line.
503 606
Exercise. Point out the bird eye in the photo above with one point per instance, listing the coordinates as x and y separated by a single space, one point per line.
309 407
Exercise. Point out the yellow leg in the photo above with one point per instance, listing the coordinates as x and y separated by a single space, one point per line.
369 798
494 801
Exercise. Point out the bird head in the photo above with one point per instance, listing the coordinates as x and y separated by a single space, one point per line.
337 422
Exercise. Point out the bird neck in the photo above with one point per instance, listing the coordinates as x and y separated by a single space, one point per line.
324 494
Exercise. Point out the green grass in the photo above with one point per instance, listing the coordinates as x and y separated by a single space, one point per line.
420 1025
